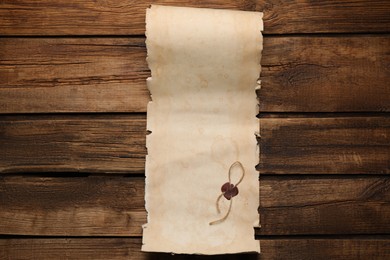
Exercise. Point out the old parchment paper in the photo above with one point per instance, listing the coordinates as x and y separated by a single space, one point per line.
205 64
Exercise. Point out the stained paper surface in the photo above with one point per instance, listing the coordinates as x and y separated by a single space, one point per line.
205 64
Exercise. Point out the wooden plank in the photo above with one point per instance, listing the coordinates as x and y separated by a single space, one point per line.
124 248
109 17
300 74
76 143
114 206
325 74
317 248
73 75
325 16
116 144
341 145
76 206
324 205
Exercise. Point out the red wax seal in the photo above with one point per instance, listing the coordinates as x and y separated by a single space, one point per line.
229 190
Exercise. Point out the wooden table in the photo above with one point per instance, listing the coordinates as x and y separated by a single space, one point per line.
72 128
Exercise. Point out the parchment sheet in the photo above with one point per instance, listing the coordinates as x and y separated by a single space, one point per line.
205 64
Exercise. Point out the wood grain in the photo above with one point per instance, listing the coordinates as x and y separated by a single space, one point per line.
116 144
72 206
324 205
317 248
354 145
325 74
114 206
73 75
112 17
76 143
300 74
129 248
324 188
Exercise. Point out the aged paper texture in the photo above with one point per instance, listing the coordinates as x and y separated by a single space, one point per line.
205 64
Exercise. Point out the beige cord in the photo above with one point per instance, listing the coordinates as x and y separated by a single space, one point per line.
223 193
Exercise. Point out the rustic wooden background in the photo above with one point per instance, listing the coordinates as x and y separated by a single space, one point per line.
72 128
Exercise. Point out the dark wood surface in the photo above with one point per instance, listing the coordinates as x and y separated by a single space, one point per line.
73 124
330 145
114 206
300 74
376 248
326 74
116 144
46 75
73 143
108 17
